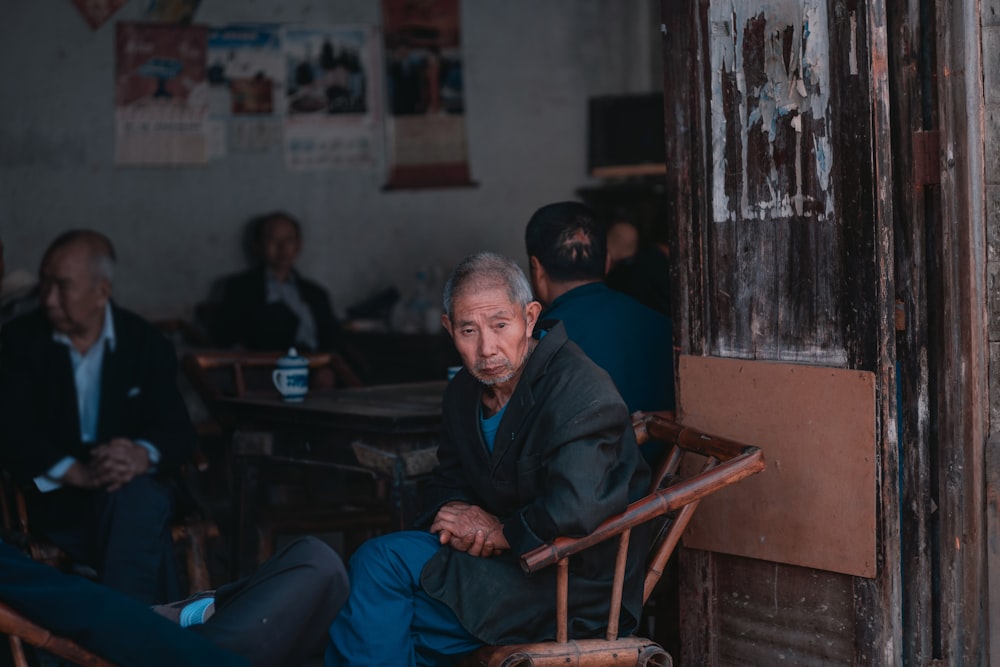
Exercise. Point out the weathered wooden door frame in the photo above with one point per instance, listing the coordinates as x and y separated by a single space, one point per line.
877 623
939 276
936 70
963 370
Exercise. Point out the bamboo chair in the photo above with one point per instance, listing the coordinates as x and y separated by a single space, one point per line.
674 495
190 532
18 629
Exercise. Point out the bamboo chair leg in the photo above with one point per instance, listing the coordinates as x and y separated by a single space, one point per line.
17 652
619 584
196 565
562 601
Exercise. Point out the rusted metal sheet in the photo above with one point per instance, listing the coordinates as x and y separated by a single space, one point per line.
814 505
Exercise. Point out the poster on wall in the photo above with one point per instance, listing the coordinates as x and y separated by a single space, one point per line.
425 127
331 101
97 12
246 88
161 96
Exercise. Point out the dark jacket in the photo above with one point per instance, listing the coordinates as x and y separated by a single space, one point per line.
565 459
39 419
245 317
631 342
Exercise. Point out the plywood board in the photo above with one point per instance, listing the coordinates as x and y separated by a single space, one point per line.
814 505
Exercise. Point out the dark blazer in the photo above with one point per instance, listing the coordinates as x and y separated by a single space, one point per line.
39 420
245 317
565 459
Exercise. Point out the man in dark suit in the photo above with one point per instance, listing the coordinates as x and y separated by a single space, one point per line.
272 307
536 443
92 422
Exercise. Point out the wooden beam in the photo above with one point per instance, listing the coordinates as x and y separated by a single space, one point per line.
963 367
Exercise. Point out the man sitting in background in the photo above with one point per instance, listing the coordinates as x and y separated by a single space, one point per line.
645 275
271 306
622 241
567 253
91 418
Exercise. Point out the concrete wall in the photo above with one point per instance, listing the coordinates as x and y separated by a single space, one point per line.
529 68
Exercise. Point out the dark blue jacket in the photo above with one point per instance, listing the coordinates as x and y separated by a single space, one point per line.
631 342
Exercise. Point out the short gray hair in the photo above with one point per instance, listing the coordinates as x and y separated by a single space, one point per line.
487 268
99 247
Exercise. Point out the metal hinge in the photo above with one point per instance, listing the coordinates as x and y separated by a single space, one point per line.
926 158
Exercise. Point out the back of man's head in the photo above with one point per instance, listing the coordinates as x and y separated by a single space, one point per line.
568 242
99 248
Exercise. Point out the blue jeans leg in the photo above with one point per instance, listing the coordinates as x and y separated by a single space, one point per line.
388 620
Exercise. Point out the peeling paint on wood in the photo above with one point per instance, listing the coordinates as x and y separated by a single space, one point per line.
789 182
770 101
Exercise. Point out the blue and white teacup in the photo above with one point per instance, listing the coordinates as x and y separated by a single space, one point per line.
291 377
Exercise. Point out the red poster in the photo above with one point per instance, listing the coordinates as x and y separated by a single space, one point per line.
426 136
96 12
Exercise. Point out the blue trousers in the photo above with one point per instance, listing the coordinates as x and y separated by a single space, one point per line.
389 621
276 617
108 622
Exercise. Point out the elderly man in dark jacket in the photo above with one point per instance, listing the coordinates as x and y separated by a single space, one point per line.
537 443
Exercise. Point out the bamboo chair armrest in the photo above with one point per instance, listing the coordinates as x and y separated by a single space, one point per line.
749 462
16 625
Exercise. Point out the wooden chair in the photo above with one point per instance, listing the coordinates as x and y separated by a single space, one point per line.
190 532
674 495
19 629
16 627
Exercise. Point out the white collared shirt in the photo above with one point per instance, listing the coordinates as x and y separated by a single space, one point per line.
87 374
288 293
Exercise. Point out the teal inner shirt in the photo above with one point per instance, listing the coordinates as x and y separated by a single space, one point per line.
489 425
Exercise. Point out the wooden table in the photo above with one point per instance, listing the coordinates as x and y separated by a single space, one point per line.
396 420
